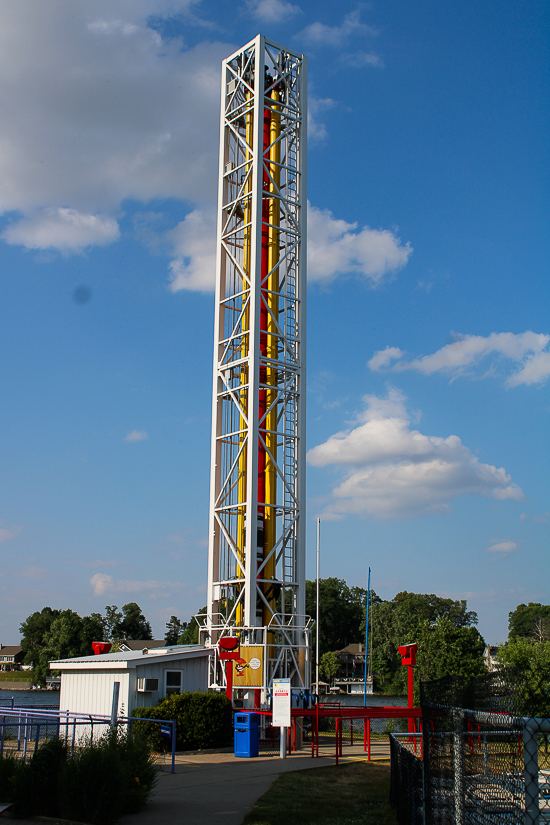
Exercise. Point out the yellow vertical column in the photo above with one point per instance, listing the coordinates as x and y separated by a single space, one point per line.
270 522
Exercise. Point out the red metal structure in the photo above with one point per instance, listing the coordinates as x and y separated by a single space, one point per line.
341 714
408 659
228 651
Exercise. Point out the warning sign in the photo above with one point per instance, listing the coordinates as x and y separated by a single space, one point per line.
281 703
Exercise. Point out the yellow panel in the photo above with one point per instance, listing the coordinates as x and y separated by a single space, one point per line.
248 671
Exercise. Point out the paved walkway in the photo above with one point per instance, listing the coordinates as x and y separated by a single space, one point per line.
215 788
218 788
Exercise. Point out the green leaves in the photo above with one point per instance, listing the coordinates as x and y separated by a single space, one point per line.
530 621
448 643
329 665
531 660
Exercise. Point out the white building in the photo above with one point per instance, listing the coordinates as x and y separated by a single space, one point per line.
145 676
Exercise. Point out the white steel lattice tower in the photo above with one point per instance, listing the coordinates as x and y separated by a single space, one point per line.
256 568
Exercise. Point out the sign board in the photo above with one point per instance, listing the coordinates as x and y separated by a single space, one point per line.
281 703
248 669
166 731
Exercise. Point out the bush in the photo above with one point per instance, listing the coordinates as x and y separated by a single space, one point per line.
203 720
99 783
35 782
105 780
8 766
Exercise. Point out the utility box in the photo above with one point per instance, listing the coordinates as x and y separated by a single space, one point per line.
247 734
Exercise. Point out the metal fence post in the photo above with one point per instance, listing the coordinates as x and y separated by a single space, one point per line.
458 765
174 746
531 772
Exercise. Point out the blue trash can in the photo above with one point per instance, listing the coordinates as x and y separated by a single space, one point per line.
247 734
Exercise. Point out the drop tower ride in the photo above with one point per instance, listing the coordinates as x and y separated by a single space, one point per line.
256 561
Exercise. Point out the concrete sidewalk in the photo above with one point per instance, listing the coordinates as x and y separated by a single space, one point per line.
211 788
215 788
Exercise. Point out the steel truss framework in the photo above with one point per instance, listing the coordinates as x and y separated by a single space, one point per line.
256 570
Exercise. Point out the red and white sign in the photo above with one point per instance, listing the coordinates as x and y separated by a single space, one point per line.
281 703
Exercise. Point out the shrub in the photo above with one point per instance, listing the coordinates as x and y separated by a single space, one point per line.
8 766
203 720
35 782
99 783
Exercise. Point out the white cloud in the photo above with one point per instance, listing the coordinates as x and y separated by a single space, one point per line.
194 241
103 584
319 34
272 11
384 357
98 107
360 59
503 547
317 106
136 435
7 533
61 228
392 471
334 248
527 351
337 248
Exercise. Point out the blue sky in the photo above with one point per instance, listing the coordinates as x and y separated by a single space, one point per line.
428 332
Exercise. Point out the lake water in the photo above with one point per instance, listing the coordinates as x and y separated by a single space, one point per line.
28 698
354 700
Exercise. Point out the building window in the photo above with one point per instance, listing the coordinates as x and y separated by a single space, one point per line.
173 681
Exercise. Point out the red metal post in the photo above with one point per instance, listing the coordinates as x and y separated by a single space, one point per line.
336 737
410 692
229 681
368 740
317 728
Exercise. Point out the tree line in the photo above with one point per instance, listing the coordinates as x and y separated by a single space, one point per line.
444 629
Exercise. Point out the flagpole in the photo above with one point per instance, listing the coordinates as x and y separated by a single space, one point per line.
367 639
317 610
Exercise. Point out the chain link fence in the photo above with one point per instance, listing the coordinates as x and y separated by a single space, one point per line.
484 757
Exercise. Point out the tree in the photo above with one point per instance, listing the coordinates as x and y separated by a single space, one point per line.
58 634
174 629
134 624
128 624
341 611
33 630
530 621
531 661
329 665
408 618
445 650
113 623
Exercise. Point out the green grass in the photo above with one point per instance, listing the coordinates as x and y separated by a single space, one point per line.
15 676
355 793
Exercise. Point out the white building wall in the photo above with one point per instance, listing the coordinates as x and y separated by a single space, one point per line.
91 691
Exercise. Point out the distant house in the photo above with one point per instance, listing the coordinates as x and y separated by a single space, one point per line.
140 644
11 657
351 675
491 658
